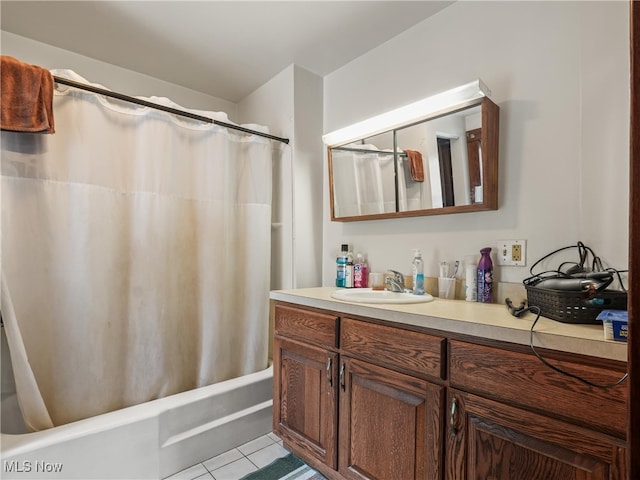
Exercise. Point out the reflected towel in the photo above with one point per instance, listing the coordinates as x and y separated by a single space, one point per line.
26 97
416 167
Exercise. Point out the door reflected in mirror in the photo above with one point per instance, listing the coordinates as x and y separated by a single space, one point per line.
444 164
442 145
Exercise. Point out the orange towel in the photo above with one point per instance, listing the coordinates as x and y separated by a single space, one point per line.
416 167
26 95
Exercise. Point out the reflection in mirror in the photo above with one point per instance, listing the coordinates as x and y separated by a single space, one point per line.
363 178
444 164
442 147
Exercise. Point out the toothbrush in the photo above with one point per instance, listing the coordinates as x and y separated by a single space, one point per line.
455 268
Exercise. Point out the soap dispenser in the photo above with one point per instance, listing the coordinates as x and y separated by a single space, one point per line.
417 268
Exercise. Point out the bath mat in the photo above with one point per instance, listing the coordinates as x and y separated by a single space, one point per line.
286 468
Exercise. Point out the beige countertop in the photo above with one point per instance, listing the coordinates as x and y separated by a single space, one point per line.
490 321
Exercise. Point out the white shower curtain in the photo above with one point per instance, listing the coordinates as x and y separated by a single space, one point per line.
135 256
363 182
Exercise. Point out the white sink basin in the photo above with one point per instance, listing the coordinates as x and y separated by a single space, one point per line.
367 295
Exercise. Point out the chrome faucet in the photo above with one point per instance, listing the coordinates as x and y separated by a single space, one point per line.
394 283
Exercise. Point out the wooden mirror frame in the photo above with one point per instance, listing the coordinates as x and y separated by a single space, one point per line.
489 142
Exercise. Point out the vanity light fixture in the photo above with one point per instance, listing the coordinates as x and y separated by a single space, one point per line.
414 112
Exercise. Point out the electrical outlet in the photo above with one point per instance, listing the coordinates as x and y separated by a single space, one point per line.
516 252
511 252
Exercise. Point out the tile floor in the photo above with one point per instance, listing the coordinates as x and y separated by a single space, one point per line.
237 462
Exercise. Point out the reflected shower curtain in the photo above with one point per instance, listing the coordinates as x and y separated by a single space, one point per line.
363 182
135 256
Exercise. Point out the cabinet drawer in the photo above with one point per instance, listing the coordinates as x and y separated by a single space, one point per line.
521 379
306 325
407 350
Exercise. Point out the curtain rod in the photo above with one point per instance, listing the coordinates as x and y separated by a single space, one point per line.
157 106
366 150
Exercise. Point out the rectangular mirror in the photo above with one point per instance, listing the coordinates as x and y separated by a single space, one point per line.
445 163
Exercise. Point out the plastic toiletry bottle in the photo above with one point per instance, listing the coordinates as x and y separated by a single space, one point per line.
341 266
417 268
360 272
470 278
485 276
348 276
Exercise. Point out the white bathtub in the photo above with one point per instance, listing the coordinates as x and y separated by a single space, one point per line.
147 441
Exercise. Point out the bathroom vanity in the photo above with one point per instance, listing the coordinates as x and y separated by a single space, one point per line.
444 390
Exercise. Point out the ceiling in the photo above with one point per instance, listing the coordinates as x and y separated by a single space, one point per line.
226 49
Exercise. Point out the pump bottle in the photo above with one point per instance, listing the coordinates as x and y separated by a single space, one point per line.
417 268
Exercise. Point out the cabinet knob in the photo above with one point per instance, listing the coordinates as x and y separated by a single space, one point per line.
329 373
342 385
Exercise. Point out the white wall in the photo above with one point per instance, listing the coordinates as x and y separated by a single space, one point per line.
272 105
308 168
291 104
559 73
110 76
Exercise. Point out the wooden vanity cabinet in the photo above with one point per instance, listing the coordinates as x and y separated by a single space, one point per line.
362 400
490 440
390 424
305 413
518 419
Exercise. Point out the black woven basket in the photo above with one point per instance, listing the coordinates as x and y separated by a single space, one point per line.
574 307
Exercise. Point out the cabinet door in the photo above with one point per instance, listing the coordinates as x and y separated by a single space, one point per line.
390 424
488 440
305 399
